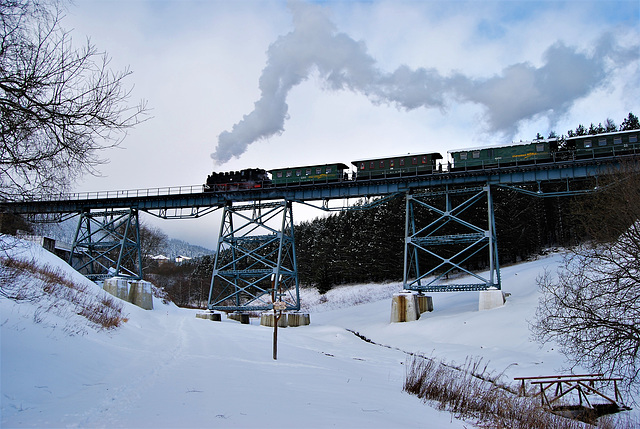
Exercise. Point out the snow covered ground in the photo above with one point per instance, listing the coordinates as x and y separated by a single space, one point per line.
167 368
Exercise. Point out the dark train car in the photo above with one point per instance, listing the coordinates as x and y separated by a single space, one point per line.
401 165
607 144
504 155
249 178
549 150
308 174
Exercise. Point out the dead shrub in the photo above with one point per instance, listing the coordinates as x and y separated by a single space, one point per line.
51 290
470 393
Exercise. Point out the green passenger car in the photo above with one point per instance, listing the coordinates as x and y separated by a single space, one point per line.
516 153
308 174
401 165
604 144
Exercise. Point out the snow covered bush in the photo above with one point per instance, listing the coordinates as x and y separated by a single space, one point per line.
471 394
50 290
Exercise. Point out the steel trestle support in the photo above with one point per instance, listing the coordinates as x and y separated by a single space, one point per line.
255 263
107 244
449 239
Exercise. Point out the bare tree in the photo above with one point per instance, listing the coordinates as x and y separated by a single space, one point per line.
59 106
152 242
592 308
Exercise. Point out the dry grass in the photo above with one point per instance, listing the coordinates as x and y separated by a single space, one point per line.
50 290
470 393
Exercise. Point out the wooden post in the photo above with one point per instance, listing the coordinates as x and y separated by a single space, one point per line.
278 306
276 319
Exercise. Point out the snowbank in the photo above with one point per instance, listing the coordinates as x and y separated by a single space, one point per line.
167 368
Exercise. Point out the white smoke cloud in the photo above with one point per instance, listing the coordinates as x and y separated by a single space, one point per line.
521 91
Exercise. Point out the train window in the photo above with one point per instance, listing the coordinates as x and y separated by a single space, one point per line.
414 160
633 139
362 166
587 144
372 165
328 170
602 142
392 163
476 154
381 164
617 140
401 162
319 170
307 171
463 155
298 173
424 159
279 174
540 147
289 173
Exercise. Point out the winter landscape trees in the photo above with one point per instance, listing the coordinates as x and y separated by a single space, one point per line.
592 308
60 105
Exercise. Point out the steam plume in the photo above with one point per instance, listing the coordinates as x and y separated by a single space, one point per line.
521 91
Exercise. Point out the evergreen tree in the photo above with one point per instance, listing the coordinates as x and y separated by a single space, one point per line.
630 123
610 126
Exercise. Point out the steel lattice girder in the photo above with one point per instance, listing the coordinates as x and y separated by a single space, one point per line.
467 241
255 263
107 244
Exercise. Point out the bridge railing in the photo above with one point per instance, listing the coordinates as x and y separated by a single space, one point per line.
123 193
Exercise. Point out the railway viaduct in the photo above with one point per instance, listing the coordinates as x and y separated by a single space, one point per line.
255 264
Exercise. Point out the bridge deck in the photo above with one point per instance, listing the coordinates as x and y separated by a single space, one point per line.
194 197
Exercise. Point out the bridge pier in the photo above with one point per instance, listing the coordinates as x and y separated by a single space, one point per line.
255 263
107 244
441 232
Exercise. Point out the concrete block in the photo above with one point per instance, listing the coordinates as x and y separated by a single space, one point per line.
425 303
137 292
404 307
140 294
298 319
267 319
490 299
117 287
239 317
216 317
234 316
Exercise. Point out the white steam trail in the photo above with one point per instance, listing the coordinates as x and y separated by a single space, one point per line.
520 92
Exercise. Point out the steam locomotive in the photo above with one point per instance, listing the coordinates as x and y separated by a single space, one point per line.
249 178
514 154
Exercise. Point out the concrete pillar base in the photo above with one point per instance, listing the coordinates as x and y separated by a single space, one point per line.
490 299
137 292
404 307
216 317
140 294
298 319
425 303
117 287
240 317
268 319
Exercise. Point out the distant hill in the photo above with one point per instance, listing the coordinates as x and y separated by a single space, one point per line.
177 248
65 231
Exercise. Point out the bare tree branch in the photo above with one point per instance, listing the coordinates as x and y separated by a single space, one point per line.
59 105
592 308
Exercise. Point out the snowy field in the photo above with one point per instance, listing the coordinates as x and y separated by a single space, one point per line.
166 368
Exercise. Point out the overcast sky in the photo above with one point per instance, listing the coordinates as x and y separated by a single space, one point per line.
243 84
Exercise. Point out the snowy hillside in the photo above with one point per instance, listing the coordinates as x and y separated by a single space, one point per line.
166 368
